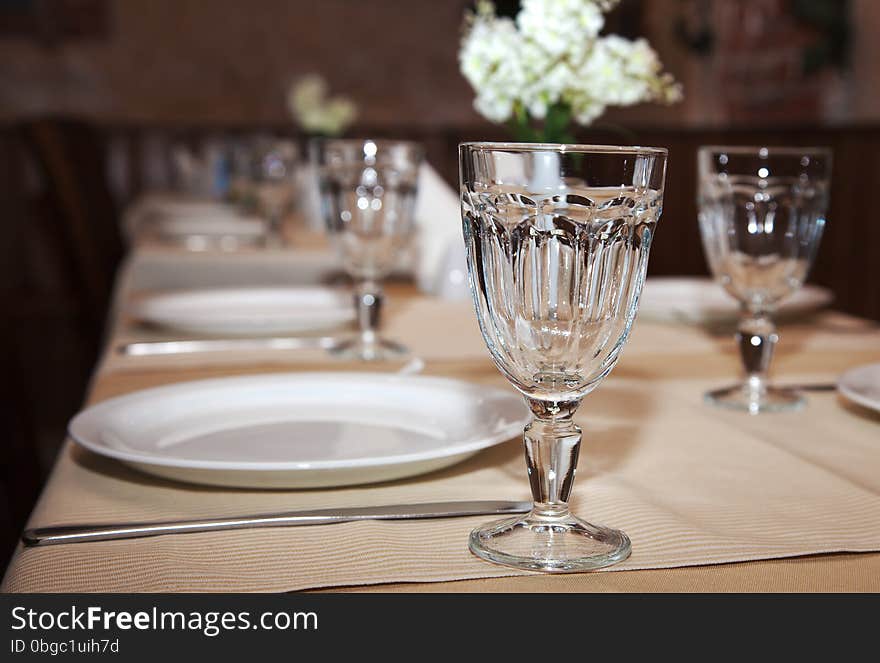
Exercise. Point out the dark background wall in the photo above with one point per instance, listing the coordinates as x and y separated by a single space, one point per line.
228 61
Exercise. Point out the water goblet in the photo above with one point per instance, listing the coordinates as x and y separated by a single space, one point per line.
368 191
274 170
557 245
761 215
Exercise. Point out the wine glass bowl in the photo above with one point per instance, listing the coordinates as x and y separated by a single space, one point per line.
557 238
368 192
761 215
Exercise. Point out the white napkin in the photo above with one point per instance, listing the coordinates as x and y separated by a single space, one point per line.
308 196
439 242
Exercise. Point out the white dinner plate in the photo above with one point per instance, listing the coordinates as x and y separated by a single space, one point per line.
300 430
244 311
701 300
862 385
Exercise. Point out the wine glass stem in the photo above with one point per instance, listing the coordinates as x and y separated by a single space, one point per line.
756 338
552 444
368 301
274 238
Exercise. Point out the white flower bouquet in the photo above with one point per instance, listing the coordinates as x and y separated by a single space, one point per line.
317 114
550 67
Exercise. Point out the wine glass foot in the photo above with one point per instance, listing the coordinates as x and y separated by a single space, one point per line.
377 349
771 399
559 544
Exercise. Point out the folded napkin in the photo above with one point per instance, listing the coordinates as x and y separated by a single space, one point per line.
308 197
441 267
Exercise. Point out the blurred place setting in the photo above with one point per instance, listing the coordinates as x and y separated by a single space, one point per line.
279 277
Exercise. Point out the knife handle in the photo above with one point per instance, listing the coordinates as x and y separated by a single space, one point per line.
58 534
47 536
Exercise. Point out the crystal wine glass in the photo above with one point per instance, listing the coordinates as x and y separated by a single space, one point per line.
275 163
368 192
761 212
557 241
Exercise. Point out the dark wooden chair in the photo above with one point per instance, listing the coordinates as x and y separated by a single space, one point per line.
60 249
71 158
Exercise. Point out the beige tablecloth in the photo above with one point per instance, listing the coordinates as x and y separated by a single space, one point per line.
692 485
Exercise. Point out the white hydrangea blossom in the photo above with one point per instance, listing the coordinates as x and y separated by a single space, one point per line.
553 54
561 27
308 103
605 75
489 60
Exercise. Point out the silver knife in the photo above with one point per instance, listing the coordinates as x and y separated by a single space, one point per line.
47 536
150 348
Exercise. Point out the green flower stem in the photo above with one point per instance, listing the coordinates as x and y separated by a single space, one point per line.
555 127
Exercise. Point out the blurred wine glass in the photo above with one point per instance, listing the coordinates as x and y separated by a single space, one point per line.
263 181
761 215
368 191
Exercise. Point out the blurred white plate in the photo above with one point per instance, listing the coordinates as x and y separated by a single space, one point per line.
219 225
300 430
162 212
190 208
700 300
245 311
862 385
220 232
